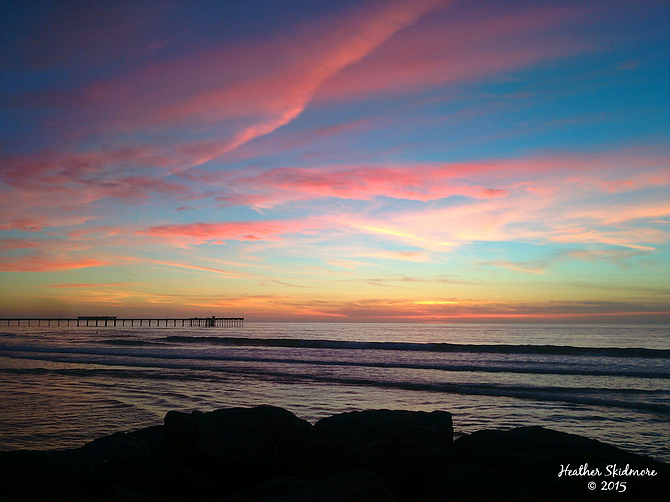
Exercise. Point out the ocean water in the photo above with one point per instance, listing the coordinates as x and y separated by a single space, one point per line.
62 387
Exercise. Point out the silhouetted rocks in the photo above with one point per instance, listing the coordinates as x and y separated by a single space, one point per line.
238 447
406 448
268 454
351 486
530 458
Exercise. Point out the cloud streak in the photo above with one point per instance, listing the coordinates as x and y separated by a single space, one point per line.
371 160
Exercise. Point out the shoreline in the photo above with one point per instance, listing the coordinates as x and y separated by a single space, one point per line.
266 453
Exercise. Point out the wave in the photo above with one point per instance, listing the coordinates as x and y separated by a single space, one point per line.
609 398
565 350
488 367
131 343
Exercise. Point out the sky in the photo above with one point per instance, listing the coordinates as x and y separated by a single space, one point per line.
351 161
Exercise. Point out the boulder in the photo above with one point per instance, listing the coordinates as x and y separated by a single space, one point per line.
353 486
536 450
359 430
143 444
238 447
118 467
268 454
270 490
533 457
406 448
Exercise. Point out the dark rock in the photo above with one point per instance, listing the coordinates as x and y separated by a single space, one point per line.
142 444
116 467
36 475
406 448
354 486
536 450
469 483
359 429
237 447
268 454
534 456
272 489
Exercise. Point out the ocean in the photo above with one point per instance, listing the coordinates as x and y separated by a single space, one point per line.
61 387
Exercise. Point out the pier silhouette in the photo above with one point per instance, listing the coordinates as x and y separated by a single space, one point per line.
110 321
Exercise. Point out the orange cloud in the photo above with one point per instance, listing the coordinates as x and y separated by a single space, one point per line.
436 310
84 285
40 263
192 267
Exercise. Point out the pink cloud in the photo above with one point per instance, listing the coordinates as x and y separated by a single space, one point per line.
564 211
241 231
425 182
27 225
81 178
57 169
612 214
51 190
41 220
529 205
18 244
273 82
451 48
413 182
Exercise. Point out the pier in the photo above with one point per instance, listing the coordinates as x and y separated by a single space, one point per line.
107 321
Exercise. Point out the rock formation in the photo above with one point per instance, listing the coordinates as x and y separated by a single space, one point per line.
268 454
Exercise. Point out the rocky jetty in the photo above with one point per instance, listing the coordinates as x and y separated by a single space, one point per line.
268 454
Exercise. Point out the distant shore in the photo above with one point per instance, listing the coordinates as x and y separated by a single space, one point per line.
268 454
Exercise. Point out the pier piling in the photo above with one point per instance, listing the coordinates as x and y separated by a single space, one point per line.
108 321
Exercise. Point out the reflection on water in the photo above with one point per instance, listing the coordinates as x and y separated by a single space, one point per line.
61 388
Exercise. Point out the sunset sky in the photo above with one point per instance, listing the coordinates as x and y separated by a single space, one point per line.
426 161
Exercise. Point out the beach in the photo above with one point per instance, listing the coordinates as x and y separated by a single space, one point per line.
63 387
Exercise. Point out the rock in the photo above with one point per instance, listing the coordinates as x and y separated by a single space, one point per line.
126 466
144 444
116 467
534 456
362 430
237 447
36 475
353 486
406 448
268 454
537 450
466 482
272 489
